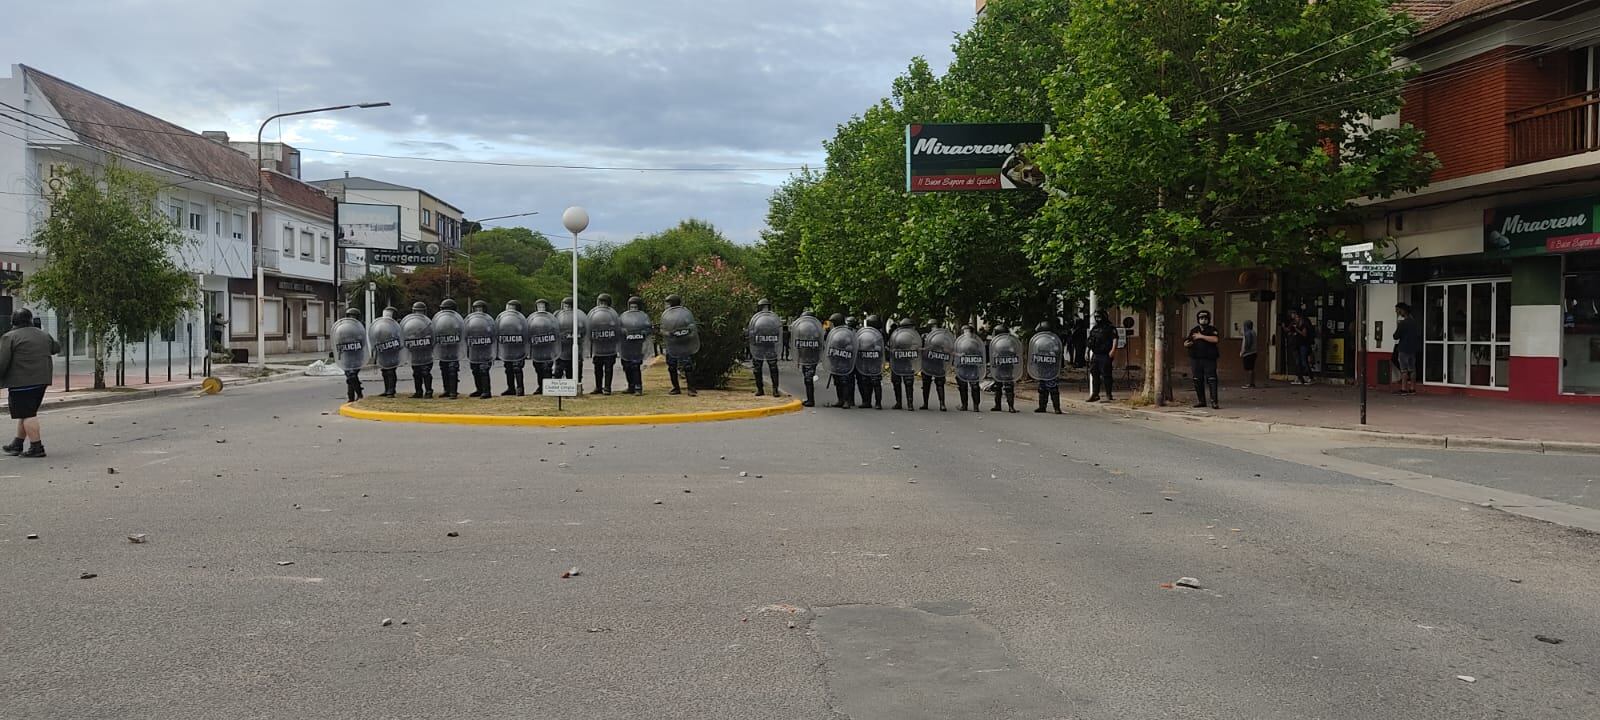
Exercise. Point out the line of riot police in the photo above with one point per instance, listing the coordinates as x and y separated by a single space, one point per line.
855 355
514 340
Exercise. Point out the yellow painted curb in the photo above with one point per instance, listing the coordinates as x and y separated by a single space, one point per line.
548 421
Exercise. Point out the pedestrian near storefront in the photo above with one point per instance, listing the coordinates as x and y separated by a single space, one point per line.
1297 336
1203 353
1248 352
26 369
1407 347
218 324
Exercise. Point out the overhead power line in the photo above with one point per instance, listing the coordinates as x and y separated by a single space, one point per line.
557 166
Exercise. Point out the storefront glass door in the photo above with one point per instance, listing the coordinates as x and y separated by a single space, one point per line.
1467 333
1580 326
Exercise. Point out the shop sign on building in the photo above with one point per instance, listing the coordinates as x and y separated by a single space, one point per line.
1566 226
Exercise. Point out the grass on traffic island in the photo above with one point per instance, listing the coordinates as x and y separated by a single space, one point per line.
739 395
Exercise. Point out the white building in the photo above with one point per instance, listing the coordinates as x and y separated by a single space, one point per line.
47 123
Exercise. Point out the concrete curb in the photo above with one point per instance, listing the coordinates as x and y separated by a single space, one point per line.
546 421
1436 441
132 395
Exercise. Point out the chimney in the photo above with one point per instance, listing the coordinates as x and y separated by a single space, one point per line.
216 135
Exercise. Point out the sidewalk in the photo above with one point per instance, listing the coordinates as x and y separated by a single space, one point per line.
56 396
1434 419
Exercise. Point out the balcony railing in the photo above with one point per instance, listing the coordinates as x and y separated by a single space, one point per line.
1559 128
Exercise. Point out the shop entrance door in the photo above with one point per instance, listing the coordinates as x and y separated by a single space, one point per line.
1467 334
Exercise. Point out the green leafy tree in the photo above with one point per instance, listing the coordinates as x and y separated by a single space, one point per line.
1195 134
775 262
621 269
432 284
388 291
721 297
111 260
524 250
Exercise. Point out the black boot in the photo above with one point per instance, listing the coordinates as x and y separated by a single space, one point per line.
416 384
427 385
939 387
811 392
14 447
896 382
1200 392
511 381
1216 401
522 382
35 450
1055 398
774 367
1044 399
1011 397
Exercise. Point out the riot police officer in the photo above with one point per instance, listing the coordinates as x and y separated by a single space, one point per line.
682 338
387 347
417 331
806 333
604 327
544 340
764 332
350 349
938 352
447 340
1046 355
480 336
1102 341
1005 365
870 344
841 349
568 366
970 358
636 331
905 354
511 342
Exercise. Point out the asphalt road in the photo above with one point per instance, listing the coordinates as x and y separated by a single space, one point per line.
931 565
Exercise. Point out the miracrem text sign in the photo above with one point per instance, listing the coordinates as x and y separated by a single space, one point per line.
1559 227
972 157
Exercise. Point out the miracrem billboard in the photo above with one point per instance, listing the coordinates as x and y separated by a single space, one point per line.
972 157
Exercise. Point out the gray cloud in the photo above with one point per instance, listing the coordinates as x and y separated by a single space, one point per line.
615 82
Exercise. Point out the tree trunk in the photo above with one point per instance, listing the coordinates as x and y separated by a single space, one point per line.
1160 339
99 370
1148 390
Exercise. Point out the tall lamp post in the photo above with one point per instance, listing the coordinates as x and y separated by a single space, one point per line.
576 220
260 224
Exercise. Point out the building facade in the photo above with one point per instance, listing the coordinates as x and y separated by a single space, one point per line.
1500 254
48 124
424 217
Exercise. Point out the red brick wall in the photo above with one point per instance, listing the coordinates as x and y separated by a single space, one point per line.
1461 108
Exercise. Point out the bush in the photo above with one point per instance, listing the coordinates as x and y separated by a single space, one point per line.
722 299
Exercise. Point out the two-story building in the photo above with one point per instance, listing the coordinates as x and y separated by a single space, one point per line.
47 124
1500 253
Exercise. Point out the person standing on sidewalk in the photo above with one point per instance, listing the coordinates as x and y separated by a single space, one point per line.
1203 354
218 324
1248 352
1102 341
26 369
1407 346
1297 334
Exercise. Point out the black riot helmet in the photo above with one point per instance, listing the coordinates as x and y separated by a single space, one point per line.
966 330
851 322
808 312
1101 316
836 319
540 305
907 322
603 299
674 300
1203 317
514 305
447 304
389 312
1043 326
636 303
351 313
873 321
763 304
566 303
419 307
480 306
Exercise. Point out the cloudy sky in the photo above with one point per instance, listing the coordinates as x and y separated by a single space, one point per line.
745 84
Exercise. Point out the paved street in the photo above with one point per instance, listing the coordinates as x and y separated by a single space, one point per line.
932 566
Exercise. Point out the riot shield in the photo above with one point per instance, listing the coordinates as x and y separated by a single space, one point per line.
765 335
869 352
544 337
905 351
1044 356
679 330
636 327
449 330
386 344
969 358
604 331
480 332
1005 357
564 318
806 334
417 333
841 345
349 344
511 336
938 351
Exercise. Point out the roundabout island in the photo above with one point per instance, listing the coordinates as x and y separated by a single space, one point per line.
737 401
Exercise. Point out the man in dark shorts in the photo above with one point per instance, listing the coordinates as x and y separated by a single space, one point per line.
26 368
1407 347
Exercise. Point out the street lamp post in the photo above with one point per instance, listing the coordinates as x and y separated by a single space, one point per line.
576 220
260 224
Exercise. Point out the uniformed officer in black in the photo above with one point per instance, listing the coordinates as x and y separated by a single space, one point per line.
1203 353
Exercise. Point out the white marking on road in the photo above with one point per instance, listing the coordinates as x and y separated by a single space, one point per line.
293 578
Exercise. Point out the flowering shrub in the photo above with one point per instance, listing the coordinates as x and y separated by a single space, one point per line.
722 299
